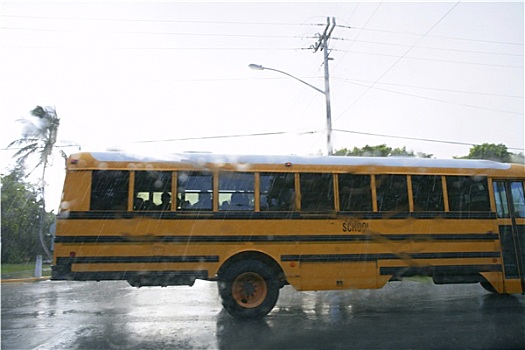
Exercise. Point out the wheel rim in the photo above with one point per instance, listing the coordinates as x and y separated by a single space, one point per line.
249 290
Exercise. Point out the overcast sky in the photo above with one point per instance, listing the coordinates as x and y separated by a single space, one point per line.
436 77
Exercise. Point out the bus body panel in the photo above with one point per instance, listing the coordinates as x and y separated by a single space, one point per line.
323 255
315 250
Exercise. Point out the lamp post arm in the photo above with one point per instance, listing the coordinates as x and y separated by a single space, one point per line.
302 81
326 92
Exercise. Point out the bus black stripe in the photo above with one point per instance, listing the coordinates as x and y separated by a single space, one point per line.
385 256
137 259
178 277
277 238
443 269
252 215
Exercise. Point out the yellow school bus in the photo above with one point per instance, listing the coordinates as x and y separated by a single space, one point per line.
257 223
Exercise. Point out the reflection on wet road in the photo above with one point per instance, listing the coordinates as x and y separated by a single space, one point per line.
112 315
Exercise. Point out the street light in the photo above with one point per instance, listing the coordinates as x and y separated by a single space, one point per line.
326 92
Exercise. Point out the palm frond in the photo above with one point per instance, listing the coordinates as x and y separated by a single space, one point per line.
22 141
27 150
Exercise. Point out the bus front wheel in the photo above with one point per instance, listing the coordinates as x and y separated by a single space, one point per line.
249 289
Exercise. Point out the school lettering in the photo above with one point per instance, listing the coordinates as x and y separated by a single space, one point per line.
355 226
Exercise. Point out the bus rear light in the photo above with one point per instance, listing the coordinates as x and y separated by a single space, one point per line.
72 254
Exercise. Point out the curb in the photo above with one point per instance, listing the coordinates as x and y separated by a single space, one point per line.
29 279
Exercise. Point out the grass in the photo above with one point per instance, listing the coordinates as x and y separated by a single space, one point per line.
13 271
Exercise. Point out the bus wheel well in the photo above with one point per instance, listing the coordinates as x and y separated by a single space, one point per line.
253 255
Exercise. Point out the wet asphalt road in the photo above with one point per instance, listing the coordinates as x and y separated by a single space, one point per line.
403 315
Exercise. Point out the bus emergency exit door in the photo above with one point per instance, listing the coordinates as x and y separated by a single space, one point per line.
510 205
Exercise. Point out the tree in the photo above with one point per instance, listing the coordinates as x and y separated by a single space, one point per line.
401 152
39 138
367 151
379 151
20 214
490 151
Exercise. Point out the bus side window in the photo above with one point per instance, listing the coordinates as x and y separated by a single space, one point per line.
392 192
518 199
195 191
109 190
428 193
236 191
468 193
152 190
317 192
355 193
277 192
500 197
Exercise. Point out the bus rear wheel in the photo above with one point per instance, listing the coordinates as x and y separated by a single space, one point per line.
249 289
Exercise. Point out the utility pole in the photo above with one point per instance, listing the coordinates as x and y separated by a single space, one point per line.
322 44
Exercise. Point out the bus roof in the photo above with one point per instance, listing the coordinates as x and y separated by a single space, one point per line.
222 159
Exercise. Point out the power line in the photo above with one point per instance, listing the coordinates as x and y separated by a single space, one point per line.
286 37
154 33
159 20
435 36
217 137
196 138
435 99
434 88
151 48
358 34
282 133
431 48
400 58
416 139
431 59
261 48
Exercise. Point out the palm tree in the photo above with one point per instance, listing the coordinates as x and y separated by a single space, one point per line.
39 139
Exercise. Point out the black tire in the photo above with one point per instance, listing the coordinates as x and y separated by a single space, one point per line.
249 289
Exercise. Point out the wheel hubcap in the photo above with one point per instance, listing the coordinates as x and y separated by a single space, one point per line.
249 289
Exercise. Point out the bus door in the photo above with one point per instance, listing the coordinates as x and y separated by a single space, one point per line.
510 206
